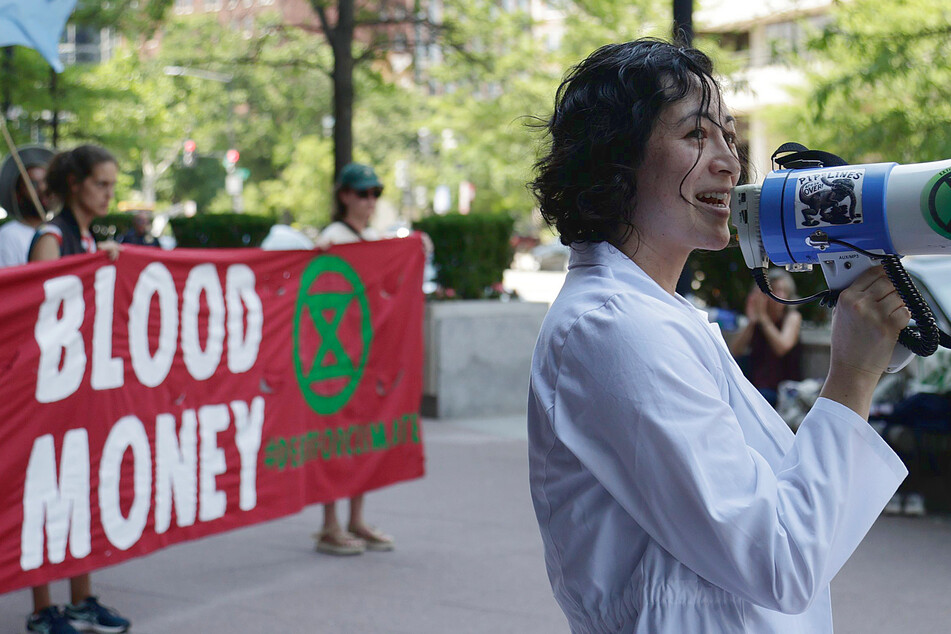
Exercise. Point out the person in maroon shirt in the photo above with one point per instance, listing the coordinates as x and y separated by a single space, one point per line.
771 337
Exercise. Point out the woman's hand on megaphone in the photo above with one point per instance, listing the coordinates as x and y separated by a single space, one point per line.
868 316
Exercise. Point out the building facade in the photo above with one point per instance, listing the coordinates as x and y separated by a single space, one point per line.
761 36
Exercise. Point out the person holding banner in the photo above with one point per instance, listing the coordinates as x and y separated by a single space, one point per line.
356 192
16 234
83 180
670 496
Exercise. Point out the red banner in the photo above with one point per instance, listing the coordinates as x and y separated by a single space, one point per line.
176 394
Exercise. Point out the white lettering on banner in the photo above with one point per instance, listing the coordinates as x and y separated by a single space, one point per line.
185 477
176 470
248 426
62 353
243 344
154 279
127 433
58 510
202 364
62 361
107 371
212 419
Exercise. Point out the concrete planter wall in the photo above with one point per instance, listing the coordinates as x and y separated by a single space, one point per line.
477 357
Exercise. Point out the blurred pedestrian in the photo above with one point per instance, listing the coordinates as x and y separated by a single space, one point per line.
17 233
83 180
770 337
140 233
670 496
356 193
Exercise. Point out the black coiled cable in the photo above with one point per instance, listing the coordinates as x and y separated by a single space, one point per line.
826 297
923 340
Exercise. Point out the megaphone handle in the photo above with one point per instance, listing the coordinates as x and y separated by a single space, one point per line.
925 340
900 358
840 270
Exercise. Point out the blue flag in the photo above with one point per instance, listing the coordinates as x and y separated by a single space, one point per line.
36 24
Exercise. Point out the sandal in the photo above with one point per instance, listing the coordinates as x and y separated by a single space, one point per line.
338 543
374 538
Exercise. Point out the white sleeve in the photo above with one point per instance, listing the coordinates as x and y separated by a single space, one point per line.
8 249
645 416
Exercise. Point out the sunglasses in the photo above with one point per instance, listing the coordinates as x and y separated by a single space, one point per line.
365 193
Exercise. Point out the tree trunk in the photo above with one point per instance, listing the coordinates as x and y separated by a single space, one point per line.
342 42
149 177
683 22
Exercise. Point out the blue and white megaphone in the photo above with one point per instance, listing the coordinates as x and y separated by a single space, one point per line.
816 209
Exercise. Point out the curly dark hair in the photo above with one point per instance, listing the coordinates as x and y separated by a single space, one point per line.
605 111
77 164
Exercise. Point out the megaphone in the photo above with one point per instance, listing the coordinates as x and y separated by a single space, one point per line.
817 210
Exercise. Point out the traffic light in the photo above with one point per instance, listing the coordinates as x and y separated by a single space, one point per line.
188 156
231 157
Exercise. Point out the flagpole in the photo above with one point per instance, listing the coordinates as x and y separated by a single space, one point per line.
26 177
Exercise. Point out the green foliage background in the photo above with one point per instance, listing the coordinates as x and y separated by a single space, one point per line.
879 88
471 251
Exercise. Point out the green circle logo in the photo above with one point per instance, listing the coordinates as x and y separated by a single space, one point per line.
936 203
332 333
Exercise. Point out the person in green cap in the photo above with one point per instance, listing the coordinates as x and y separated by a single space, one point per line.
356 192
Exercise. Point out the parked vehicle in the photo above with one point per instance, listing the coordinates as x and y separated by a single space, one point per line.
551 257
932 276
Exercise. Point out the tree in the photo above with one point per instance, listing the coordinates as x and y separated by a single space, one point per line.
36 96
879 83
340 36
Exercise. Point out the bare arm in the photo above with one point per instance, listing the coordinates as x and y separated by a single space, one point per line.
740 344
111 249
45 249
755 310
782 340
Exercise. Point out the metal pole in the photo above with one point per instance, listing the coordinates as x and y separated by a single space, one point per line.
7 79
683 22
55 121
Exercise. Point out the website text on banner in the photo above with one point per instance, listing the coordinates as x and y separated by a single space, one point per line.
231 387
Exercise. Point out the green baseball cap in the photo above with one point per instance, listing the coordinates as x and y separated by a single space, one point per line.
358 177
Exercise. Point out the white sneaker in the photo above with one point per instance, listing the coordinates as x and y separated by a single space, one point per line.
914 505
894 505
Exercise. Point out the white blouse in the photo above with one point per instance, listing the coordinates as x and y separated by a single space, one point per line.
671 498
341 233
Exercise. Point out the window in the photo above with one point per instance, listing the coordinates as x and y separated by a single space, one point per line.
84 44
738 44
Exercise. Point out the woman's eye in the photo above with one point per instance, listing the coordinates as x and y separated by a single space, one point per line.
698 133
730 138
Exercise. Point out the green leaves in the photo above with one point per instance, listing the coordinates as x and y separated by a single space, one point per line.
881 88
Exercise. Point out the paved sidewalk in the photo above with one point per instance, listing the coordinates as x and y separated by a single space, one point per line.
468 560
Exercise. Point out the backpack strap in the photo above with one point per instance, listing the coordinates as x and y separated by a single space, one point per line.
798 156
